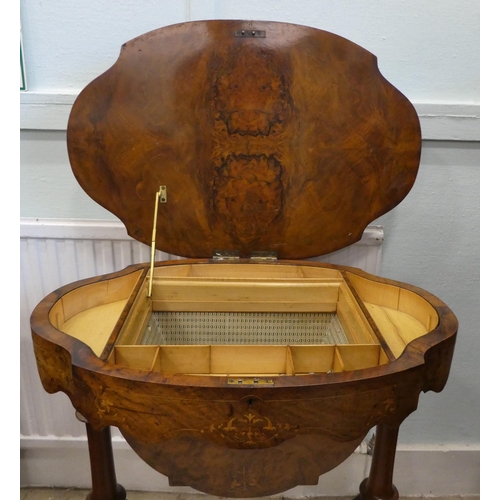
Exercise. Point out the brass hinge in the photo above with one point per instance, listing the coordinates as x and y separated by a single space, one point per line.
266 255
228 255
225 255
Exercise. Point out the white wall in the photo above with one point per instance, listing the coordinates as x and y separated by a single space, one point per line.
432 241
428 49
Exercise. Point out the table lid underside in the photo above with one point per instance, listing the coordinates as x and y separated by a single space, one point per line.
289 140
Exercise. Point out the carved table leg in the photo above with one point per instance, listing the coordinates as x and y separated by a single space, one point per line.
102 467
378 485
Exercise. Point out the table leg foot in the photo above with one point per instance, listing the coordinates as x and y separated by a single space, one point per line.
378 485
102 467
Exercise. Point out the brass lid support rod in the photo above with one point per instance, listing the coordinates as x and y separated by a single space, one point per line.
161 196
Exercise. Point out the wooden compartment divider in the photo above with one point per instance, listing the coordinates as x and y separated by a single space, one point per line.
244 296
356 326
312 358
91 313
398 315
248 360
174 359
246 271
137 319
138 357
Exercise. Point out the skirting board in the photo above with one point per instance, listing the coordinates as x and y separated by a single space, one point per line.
419 470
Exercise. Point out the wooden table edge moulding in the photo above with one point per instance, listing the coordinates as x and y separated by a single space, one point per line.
243 370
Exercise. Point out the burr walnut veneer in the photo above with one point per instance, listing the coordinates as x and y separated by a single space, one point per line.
243 377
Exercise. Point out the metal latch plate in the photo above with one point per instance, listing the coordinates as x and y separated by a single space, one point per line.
264 255
251 33
163 194
250 381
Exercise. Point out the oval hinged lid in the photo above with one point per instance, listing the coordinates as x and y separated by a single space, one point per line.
268 136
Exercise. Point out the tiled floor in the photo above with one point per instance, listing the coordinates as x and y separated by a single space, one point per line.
68 494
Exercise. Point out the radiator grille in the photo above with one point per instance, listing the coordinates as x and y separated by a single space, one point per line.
199 328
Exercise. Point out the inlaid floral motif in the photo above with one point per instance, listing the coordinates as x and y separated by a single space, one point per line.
250 429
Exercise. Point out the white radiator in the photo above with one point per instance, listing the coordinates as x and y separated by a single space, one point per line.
58 252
